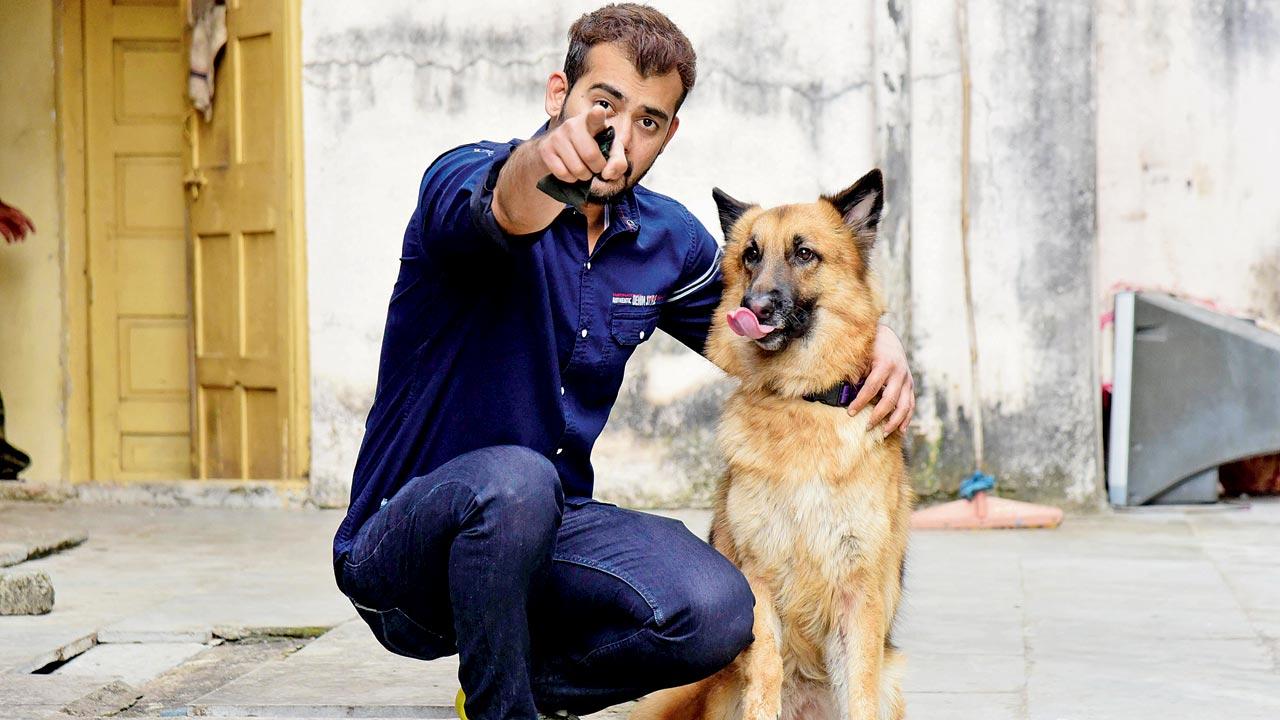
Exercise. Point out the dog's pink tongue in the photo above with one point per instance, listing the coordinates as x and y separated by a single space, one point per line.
743 322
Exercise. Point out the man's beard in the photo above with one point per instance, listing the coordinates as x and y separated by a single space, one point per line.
603 198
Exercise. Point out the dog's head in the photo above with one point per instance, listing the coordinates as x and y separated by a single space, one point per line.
800 303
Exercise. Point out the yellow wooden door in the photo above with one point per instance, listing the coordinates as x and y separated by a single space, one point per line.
197 345
246 277
139 299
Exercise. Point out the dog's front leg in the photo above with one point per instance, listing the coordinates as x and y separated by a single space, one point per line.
855 652
761 662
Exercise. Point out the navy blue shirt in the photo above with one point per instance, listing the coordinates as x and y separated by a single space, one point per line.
496 339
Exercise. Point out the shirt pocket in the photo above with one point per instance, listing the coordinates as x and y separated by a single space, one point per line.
631 325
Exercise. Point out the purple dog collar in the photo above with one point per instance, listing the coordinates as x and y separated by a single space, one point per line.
837 396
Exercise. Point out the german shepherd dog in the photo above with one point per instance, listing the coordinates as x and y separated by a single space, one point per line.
814 507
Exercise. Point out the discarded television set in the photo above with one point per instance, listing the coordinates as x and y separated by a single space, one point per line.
1192 390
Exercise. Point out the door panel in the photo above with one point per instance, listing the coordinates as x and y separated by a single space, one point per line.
240 222
195 308
139 302
142 66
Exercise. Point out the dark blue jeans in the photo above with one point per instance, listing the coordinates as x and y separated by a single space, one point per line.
552 604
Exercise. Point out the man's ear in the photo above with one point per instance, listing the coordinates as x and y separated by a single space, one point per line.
860 203
730 209
557 94
671 132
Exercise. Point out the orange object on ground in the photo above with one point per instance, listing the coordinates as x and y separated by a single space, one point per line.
984 512
1253 476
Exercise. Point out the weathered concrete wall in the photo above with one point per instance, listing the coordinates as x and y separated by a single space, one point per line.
389 85
816 93
1031 237
1189 150
31 312
1033 230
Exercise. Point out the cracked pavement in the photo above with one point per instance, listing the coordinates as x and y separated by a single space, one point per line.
163 611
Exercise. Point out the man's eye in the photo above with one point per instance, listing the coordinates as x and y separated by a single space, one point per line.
648 123
804 254
603 103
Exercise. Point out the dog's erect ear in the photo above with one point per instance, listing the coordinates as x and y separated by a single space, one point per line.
860 204
730 209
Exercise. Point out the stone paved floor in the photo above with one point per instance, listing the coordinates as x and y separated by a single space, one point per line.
1157 614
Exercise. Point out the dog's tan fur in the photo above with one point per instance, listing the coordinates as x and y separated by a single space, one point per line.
814 507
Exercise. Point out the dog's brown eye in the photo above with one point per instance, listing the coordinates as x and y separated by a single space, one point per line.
804 254
751 255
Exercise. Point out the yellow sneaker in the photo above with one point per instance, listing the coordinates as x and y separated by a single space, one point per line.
461 700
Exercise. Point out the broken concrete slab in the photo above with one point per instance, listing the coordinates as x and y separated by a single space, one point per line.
344 673
27 649
35 695
170 693
12 553
109 699
233 614
1097 619
44 690
260 572
14 550
144 635
134 663
26 593
297 632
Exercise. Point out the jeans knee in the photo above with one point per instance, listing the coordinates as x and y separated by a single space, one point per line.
520 489
715 623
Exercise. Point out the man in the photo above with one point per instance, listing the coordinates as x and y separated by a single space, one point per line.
14 226
471 527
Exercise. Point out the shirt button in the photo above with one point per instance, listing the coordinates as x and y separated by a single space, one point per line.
559 450
641 334
561 389
588 266
584 332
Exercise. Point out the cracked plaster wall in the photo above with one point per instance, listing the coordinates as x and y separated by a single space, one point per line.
1188 147
812 94
1031 210
389 85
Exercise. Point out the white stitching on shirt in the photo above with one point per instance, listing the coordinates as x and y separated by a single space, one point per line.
705 278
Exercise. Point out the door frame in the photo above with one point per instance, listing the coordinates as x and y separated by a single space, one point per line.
78 283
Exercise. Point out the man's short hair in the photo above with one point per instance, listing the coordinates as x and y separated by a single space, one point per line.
654 43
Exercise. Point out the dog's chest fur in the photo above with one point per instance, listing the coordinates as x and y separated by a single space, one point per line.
808 506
